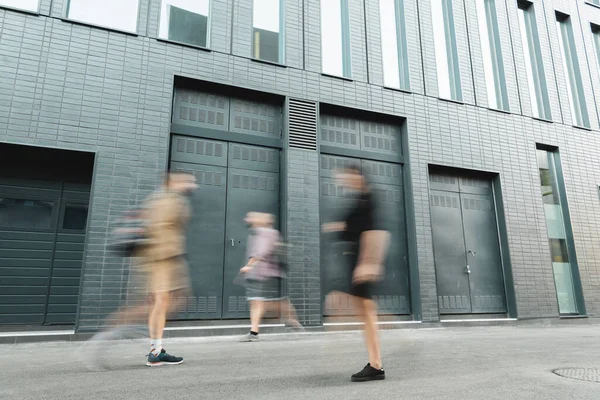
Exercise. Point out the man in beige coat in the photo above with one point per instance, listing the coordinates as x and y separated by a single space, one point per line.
163 258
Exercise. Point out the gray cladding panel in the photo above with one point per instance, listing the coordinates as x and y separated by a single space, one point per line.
198 151
255 118
253 158
207 110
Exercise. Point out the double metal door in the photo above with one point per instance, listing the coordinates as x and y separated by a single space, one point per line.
466 246
233 180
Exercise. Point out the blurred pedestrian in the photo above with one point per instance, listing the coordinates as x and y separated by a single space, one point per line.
264 275
163 257
363 256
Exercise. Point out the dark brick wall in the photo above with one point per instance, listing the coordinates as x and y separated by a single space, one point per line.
78 87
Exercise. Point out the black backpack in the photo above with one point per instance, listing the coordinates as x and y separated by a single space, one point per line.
130 234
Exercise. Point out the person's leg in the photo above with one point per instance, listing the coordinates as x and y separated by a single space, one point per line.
157 320
257 310
369 315
367 311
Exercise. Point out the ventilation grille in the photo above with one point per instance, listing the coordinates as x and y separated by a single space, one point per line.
303 124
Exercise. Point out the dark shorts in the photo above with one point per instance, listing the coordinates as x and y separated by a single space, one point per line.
340 270
269 289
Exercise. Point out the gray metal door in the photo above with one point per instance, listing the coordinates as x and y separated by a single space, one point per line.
253 185
449 252
233 180
486 279
65 276
42 235
207 160
392 293
205 240
466 245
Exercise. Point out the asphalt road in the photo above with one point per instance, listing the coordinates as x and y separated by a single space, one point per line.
445 363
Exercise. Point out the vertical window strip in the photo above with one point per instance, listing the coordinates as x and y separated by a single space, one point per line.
573 73
394 45
492 55
446 52
335 38
268 36
534 66
596 35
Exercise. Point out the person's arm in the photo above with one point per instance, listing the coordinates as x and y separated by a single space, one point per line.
371 257
262 246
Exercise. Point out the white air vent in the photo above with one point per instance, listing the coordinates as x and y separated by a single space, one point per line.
303 124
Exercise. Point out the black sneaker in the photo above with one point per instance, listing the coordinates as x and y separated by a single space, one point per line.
369 374
163 359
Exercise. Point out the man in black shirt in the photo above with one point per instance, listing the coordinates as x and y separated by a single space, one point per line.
364 253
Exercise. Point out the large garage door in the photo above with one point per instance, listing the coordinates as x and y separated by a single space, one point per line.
42 235
234 179
392 292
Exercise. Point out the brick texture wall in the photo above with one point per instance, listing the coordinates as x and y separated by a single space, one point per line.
79 87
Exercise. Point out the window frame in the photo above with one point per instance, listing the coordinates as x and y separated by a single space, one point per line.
489 30
596 39
282 35
346 40
135 32
555 166
533 54
23 10
451 50
403 70
195 46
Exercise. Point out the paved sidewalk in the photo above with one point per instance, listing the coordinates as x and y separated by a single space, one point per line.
513 363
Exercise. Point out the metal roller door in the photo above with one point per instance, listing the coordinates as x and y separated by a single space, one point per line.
42 236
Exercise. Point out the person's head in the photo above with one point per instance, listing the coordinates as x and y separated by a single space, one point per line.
181 182
259 220
351 176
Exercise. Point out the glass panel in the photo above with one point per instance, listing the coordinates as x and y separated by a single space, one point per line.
596 32
393 43
570 63
267 36
75 217
446 53
563 278
534 66
557 236
493 64
117 14
29 5
25 214
185 21
333 48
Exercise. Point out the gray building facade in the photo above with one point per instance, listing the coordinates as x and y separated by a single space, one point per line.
509 178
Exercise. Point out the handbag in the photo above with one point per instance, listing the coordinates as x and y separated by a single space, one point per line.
130 235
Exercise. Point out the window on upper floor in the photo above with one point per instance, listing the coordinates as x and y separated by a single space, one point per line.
570 62
335 38
493 62
534 66
27 5
446 51
185 21
393 44
116 14
268 31
596 35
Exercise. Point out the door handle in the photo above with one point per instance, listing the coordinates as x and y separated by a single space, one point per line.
232 242
468 269
472 253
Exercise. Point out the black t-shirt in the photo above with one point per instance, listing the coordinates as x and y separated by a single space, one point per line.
360 218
